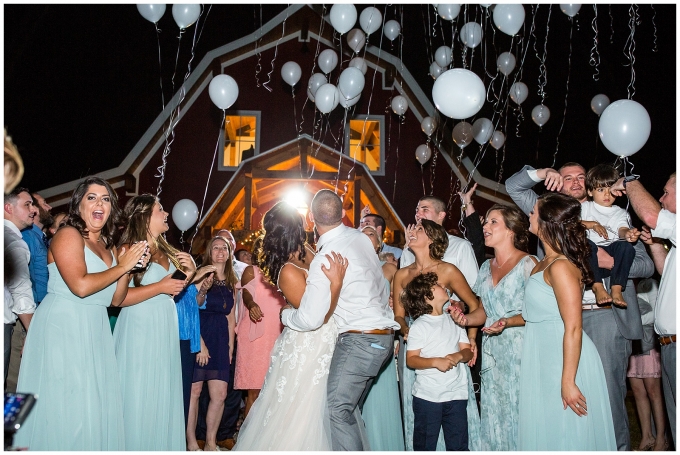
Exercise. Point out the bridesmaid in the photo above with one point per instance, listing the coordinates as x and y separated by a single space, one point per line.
147 335
381 411
500 286
69 358
257 329
216 300
563 399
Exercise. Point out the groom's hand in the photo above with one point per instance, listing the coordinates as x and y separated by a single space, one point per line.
287 305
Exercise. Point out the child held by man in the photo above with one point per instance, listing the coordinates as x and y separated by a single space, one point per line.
608 228
437 349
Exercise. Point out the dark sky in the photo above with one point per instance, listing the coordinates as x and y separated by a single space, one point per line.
82 81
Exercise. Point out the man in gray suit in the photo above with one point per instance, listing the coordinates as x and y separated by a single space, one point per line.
610 328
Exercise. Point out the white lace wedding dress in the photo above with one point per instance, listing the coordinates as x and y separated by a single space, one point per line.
291 412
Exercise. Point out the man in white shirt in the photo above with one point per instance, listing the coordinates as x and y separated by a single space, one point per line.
365 321
660 217
19 214
378 222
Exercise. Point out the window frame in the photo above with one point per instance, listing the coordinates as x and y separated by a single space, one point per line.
381 120
258 128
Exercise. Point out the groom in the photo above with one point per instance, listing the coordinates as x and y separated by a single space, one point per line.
365 321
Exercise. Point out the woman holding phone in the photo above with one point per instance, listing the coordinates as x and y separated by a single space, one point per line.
146 335
216 300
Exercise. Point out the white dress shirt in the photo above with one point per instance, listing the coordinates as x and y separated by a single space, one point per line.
362 303
17 276
458 253
664 311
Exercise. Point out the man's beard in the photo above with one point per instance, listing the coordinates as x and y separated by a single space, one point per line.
44 217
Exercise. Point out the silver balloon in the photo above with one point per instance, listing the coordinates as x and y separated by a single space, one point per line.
471 34
497 140
443 56
151 12
356 39
519 92
570 9
435 70
599 103
399 105
360 63
506 63
391 29
540 115
482 130
462 134
423 153
448 12
428 125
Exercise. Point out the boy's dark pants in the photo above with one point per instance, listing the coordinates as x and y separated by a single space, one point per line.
429 417
623 254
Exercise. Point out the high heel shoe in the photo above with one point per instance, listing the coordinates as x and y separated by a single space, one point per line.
646 448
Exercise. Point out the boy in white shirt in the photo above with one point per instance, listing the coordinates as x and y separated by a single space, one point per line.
437 349
608 228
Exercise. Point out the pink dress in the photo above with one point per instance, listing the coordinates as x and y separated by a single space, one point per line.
256 339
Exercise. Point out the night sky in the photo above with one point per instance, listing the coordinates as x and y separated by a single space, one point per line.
82 81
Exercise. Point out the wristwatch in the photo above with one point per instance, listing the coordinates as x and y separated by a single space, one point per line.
629 178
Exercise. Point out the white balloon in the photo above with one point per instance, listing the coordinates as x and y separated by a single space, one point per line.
540 114
327 98
485 5
570 9
291 73
428 125
186 15
348 102
448 12
482 130
506 63
435 70
356 39
599 103
519 92
471 34
458 93
360 63
153 12
624 127
443 56
423 153
343 17
462 134
391 29
351 82
399 105
328 60
508 18
370 20
316 81
223 91
184 214
497 140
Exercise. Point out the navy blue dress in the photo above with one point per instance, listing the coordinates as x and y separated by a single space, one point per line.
218 304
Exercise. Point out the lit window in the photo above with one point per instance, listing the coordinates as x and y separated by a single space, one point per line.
365 141
241 138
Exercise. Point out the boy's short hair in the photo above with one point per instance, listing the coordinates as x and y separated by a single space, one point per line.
601 176
416 291
384 255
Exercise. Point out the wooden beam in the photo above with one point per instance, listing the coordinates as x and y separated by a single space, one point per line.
357 202
248 202
292 175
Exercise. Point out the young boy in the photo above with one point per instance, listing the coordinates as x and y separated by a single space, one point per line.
437 349
608 228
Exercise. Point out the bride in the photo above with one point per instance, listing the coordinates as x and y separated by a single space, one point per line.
291 411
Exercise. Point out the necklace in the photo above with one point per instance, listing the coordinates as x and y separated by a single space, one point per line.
221 284
504 262
423 267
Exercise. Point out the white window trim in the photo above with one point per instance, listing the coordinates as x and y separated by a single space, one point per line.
258 128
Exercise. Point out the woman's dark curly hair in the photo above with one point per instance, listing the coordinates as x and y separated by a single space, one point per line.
416 291
109 233
439 237
559 226
284 233
517 222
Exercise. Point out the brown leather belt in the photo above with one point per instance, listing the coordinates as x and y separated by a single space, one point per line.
594 306
373 332
663 341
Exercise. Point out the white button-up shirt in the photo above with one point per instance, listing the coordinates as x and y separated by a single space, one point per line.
458 253
664 311
363 299
17 276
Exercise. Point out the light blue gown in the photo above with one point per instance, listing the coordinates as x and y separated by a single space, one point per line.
408 377
501 355
146 340
543 423
381 412
69 362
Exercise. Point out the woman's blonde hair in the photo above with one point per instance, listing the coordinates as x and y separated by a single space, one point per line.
137 216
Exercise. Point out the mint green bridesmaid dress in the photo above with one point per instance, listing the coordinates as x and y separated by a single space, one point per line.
146 340
543 422
69 362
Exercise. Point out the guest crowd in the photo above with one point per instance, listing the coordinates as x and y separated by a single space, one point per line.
511 352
